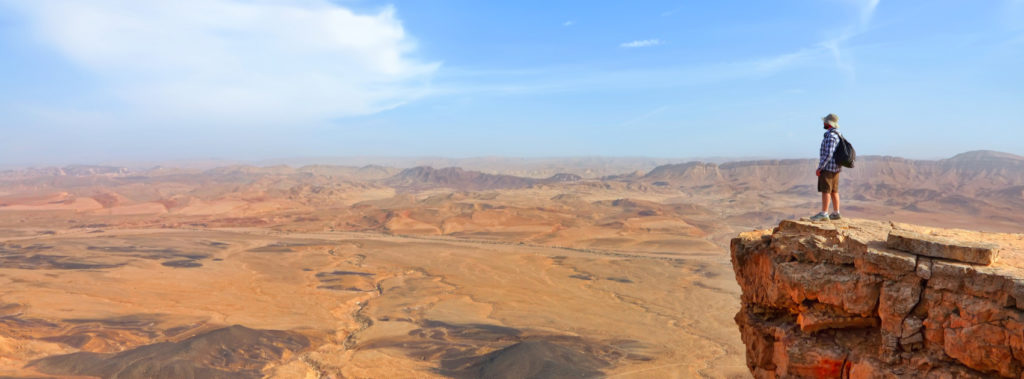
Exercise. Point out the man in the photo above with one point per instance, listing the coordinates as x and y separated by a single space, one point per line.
828 170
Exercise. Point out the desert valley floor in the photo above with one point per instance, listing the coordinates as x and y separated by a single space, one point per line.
362 305
330 271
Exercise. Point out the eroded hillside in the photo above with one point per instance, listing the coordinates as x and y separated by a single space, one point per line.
375 271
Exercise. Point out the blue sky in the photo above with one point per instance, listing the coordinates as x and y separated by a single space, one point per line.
119 80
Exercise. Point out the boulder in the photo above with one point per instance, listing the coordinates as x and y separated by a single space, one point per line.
938 247
865 299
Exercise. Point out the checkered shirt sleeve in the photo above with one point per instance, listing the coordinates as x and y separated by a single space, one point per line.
828 148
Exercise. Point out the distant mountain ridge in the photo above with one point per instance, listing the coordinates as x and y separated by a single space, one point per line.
968 172
972 171
987 155
973 183
425 177
969 183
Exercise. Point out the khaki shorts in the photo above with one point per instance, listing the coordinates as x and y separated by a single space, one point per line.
828 182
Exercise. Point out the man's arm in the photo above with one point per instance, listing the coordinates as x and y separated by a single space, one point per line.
828 148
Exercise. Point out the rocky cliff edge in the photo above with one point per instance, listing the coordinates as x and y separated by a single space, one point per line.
865 299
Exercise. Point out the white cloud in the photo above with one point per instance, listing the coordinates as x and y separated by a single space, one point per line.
867 11
832 52
645 116
567 79
835 46
843 64
569 23
267 61
641 43
671 11
781 62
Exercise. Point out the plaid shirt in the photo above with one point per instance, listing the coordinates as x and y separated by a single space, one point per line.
828 148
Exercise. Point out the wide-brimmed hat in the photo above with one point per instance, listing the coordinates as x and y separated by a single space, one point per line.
831 119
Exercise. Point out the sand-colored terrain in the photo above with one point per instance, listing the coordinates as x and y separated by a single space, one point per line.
370 305
337 272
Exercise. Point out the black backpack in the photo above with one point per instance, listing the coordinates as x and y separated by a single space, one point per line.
844 155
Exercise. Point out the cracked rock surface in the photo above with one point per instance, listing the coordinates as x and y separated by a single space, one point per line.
830 299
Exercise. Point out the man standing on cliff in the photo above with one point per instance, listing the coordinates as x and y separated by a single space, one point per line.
828 170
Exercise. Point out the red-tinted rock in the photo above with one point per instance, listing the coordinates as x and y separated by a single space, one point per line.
831 300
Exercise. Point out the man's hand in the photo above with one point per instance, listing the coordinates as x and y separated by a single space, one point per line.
817 172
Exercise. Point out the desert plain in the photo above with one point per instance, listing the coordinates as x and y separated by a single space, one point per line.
573 268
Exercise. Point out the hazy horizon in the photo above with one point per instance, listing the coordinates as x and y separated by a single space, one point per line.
427 160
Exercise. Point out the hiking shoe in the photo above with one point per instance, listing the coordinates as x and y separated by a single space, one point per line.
834 216
821 216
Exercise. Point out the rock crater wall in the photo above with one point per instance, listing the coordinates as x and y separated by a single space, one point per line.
852 299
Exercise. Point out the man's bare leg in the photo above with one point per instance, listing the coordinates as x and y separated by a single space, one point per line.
835 202
824 201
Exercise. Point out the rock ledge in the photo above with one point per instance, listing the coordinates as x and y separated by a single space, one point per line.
835 299
938 247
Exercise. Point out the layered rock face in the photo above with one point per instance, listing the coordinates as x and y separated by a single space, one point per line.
832 299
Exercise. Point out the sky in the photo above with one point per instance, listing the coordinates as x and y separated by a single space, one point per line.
120 81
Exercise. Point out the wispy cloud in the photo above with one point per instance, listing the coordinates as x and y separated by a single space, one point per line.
641 43
836 45
781 62
569 23
569 79
867 11
644 116
671 11
236 61
460 81
843 64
